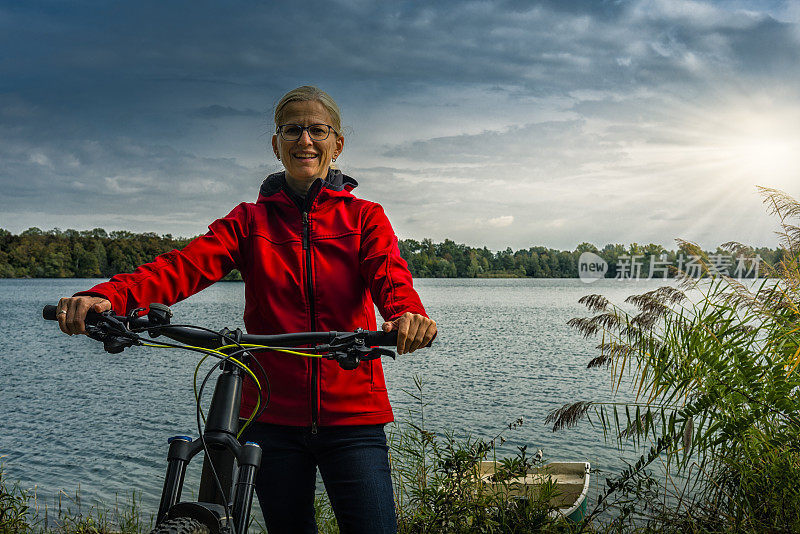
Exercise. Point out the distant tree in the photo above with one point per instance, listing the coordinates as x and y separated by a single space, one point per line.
654 250
586 247
96 253
532 267
445 269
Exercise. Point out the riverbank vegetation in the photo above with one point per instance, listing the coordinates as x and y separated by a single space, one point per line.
438 489
714 372
23 512
54 253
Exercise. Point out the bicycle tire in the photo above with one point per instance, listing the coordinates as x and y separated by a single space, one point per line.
181 525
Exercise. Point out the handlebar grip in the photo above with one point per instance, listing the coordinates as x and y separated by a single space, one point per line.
384 339
381 339
49 313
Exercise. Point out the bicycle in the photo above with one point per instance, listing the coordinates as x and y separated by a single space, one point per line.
223 505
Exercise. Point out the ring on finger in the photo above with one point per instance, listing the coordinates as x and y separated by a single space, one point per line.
61 311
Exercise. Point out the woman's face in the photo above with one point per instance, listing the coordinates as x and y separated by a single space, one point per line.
306 159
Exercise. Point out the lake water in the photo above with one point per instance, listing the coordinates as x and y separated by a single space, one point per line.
72 415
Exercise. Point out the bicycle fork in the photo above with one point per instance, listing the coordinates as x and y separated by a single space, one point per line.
220 438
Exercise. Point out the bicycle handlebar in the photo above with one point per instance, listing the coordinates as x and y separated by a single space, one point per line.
210 340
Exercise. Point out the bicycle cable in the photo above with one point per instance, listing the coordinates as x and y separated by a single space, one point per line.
116 335
217 353
289 350
263 374
222 356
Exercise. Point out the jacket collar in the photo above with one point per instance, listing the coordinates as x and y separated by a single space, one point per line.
335 181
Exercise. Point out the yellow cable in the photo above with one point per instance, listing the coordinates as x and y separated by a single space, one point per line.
277 349
249 419
194 385
258 399
211 351
243 366
222 354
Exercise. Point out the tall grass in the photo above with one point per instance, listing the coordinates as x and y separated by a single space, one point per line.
14 508
712 366
21 511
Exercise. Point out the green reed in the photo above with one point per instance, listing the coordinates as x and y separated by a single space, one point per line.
713 370
14 508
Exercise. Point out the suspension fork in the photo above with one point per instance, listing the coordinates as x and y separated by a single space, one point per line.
181 451
224 451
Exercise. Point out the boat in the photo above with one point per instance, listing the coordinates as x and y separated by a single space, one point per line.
571 480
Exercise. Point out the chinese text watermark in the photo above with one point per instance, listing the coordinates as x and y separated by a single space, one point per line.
592 267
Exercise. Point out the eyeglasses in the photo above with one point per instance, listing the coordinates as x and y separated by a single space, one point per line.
293 132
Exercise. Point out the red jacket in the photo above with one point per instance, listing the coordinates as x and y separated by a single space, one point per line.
319 275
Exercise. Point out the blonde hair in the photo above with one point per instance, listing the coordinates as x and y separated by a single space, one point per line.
309 93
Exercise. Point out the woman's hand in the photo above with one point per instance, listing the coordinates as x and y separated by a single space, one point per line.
413 331
71 312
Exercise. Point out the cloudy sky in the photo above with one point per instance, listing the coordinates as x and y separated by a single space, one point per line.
491 123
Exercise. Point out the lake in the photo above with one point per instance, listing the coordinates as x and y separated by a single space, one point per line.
71 414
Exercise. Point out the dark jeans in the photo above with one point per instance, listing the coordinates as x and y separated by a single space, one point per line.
353 462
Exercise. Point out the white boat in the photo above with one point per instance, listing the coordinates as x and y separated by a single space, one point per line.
571 480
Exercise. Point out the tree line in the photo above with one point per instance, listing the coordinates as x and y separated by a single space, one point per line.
36 253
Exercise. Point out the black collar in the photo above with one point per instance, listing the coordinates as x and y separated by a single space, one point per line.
335 180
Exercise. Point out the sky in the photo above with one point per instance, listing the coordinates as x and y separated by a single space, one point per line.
499 124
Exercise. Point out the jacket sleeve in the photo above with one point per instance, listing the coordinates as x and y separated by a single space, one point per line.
178 274
383 269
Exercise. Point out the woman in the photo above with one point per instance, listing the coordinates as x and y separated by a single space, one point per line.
314 258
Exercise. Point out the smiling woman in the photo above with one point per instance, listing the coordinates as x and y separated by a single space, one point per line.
306 143
313 257
308 136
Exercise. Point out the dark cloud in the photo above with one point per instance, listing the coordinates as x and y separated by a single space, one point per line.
546 46
141 107
119 174
218 112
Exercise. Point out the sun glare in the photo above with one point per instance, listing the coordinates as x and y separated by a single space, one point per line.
774 156
704 162
765 148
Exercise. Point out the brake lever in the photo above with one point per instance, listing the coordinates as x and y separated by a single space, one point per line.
380 351
350 358
113 333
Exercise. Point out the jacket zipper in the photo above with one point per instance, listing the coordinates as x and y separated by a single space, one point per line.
310 291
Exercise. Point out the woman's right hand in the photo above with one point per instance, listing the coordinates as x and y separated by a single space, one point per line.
71 312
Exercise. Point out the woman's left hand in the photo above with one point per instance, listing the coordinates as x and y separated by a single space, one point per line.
413 331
